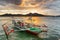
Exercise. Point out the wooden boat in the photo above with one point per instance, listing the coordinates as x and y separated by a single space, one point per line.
31 30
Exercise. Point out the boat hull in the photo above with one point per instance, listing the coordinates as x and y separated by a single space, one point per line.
33 33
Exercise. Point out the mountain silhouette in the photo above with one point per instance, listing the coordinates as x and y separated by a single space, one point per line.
29 14
34 14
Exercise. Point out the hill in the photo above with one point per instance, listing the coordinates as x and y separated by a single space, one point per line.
29 14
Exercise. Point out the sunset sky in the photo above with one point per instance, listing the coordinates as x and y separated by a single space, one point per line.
46 7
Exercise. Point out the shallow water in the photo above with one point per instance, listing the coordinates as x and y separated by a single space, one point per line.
53 24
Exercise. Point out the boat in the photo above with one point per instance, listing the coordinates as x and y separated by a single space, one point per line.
32 30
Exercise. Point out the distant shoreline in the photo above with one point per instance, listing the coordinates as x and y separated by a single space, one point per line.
28 16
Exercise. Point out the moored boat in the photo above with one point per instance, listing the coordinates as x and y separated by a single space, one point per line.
32 30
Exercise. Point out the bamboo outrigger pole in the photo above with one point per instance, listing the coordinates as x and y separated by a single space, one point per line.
5 28
5 32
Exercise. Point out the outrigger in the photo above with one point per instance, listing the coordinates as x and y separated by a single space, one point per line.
28 27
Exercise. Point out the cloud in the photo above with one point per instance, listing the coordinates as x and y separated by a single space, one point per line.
12 1
52 8
47 7
5 5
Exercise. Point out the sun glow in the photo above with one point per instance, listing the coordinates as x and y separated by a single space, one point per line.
27 3
34 20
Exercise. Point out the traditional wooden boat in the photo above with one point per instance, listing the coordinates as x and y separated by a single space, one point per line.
31 30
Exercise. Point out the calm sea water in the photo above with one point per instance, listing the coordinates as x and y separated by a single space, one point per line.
53 24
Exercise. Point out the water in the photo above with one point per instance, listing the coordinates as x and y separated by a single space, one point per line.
53 24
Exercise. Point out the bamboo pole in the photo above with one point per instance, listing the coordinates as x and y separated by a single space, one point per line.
5 32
